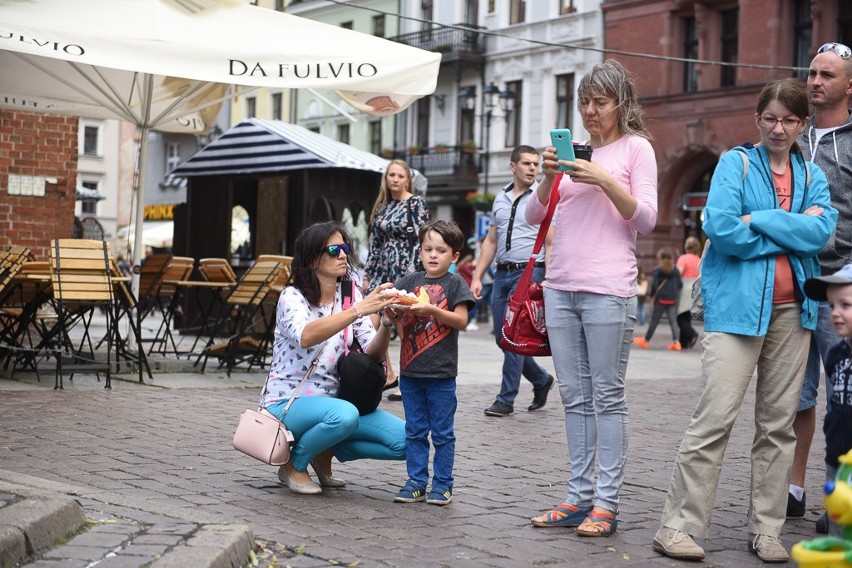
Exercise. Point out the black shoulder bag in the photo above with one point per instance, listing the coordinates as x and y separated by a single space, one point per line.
362 379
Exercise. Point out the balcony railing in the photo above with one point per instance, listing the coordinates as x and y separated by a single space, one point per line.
441 160
445 40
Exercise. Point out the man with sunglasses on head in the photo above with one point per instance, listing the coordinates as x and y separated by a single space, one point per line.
827 141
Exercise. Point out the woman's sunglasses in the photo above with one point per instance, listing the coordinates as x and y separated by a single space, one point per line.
840 50
334 250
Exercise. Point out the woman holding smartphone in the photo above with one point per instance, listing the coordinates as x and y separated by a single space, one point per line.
590 291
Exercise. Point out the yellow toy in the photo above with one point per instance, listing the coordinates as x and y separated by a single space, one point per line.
831 551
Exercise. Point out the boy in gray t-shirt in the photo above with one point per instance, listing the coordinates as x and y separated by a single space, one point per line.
429 332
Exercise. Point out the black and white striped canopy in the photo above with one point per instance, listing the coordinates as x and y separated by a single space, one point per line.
257 145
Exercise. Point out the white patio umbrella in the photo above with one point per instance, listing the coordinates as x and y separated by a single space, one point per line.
169 64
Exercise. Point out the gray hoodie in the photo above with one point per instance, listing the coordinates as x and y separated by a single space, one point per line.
833 155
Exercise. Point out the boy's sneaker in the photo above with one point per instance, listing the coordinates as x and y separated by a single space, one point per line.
674 346
410 494
499 409
640 342
438 497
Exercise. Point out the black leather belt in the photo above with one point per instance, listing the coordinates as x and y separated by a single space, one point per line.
512 266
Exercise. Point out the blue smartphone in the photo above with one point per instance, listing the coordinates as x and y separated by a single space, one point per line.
560 138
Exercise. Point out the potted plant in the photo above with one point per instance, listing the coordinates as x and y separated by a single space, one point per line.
414 149
468 146
480 201
441 148
388 153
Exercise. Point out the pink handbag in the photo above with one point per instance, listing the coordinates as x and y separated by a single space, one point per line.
262 436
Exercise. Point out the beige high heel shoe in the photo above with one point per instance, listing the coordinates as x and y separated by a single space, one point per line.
326 479
306 488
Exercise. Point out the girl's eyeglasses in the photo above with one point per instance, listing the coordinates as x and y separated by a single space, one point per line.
334 250
768 122
840 50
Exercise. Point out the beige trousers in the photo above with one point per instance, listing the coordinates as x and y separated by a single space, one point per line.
728 363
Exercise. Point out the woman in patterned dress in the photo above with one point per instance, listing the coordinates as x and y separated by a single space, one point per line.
397 216
309 326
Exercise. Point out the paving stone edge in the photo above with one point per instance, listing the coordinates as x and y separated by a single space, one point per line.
46 512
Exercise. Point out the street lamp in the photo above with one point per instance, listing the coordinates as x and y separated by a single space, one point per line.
491 96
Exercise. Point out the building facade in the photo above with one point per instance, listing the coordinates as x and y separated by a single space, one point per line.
38 179
699 67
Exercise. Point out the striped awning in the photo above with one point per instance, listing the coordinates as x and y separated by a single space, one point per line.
257 145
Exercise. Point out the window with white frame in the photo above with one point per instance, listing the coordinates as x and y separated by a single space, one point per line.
513 119
343 133
565 100
277 106
517 11
172 157
90 139
376 136
567 6
89 206
379 25
251 107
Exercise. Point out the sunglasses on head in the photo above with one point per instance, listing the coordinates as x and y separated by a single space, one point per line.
334 250
840 50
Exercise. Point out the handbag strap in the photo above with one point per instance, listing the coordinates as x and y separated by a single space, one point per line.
346 291
296 390
524 282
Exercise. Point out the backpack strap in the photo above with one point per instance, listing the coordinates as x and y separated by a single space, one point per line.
745 161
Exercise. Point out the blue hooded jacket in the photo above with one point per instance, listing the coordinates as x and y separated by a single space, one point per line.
738 271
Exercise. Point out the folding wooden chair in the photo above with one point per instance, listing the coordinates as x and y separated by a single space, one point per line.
216 270
150 278
28 315
246 342
168 300
209 300
126 306
80 276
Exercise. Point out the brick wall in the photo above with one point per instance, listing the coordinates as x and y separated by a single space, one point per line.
37 145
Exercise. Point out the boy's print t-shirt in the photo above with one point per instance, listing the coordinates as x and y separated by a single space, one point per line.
430 349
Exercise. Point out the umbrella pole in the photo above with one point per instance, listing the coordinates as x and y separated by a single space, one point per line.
140 208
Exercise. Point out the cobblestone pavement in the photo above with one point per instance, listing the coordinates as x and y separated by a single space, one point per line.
156 460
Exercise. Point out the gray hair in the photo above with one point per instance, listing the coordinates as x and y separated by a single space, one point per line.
610 78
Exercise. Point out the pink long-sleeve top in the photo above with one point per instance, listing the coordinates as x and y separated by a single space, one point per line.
594 248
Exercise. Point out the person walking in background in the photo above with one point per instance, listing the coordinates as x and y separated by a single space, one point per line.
590 291
309 326
766 225
510 240
428 362
827 142
687 265
395 220
641 295
665 291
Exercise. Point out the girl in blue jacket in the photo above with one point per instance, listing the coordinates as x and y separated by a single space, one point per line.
768 214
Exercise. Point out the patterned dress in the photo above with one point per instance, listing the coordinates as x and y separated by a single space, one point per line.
391 254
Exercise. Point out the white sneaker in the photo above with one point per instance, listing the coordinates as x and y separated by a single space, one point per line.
472 326
677 544
768 548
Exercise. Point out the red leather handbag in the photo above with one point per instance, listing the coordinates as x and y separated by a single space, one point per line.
524 331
